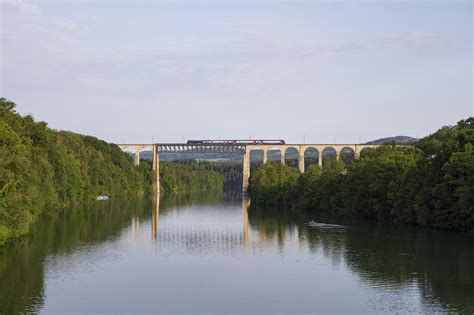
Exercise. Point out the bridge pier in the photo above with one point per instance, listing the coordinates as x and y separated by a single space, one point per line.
245 170
137 157
357 150
301 161
156 169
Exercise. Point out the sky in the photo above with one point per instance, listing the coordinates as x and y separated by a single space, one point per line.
304 71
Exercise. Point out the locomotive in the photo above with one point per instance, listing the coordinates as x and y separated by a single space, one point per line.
236 141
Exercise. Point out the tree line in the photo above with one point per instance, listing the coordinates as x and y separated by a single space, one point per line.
43 171
176 176
230 170
430 184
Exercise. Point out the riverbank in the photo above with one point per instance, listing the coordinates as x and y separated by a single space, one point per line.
431 184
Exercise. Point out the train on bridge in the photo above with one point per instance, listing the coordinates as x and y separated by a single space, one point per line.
254 141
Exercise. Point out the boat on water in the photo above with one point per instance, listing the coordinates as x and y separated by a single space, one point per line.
313 223
102 197
326 225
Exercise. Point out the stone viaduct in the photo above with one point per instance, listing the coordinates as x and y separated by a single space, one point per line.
244 150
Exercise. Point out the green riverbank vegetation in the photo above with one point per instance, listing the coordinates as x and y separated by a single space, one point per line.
430 184
176 176
230 171
43 171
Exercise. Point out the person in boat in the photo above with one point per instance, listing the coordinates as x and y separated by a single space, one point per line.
312 222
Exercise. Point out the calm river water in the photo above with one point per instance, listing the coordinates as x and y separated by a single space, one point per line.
203 253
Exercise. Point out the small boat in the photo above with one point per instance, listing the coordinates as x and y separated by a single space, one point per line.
102 197
313 223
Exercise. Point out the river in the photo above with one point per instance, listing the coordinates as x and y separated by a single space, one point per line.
209 253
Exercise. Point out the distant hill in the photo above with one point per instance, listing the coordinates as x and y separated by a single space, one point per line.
397 139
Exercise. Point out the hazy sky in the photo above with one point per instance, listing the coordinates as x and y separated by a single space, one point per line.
297 70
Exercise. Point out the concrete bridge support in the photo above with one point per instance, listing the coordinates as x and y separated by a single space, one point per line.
137 148
137 157
156 169
301 160
245 170
357 152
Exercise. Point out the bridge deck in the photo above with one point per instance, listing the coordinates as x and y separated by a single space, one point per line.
235 148
200 148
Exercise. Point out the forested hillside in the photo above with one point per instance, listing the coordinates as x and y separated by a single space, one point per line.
396 139
178 177
230 171
430 184
43 171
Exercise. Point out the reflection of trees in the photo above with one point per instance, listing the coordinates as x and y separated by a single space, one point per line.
199 197
21 279
192 197
273 223
276 223
21 264
439 261
330 241
394 255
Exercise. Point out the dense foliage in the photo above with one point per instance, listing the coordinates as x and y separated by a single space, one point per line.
178 176
230 170
43 170
273 183
431 184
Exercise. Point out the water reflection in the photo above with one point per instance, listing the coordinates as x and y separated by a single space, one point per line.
245 220
392 257
22 271
155 214
166 245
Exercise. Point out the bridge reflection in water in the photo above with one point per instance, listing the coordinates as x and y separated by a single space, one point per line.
183 227
155 216
224 238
